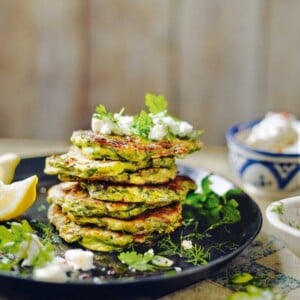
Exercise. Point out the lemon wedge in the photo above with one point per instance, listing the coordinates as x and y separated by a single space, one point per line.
17 197
8 164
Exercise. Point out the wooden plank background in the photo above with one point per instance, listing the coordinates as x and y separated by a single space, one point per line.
218 62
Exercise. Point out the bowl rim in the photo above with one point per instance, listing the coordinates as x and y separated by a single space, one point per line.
238 127
274 219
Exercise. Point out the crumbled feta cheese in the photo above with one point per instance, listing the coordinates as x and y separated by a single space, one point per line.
172 124
80 259
184 129
186 244
62 263
124 123
51 272
157 132
102 126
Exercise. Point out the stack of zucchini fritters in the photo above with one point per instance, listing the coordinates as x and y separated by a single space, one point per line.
118 191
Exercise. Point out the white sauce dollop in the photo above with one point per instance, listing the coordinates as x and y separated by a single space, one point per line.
277 132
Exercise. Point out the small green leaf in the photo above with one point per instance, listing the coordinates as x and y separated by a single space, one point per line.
205 184
278 209
137 261
102 113
156 104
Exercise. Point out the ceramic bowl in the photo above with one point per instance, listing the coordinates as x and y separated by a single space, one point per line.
262 172
284 217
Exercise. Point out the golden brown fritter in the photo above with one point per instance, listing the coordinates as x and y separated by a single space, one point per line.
130 148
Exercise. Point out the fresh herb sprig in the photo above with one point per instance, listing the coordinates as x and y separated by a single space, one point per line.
278 209
147 261
196 254
216 209
19 247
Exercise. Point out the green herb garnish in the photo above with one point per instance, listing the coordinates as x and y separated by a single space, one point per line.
19 247
102 113
156 104
278 209
142 124
145 121
143 262
217 209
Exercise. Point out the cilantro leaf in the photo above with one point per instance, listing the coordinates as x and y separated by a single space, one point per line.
137 261
156 104
102 113
143 124
147 261
216 209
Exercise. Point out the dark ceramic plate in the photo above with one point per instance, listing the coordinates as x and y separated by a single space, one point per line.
133 286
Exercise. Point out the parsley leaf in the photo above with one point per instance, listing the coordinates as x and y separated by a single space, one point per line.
156 104
103 114
217 209
137 261
143 124
144 262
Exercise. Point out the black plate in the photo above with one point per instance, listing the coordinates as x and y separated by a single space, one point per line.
147 287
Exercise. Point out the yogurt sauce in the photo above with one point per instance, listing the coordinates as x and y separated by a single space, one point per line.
277 132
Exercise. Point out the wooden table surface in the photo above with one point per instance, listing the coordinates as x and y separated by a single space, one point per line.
267 257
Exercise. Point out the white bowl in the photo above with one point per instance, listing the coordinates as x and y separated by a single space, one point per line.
262 172
284 217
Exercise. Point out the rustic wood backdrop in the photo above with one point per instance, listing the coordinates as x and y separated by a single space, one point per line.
218 62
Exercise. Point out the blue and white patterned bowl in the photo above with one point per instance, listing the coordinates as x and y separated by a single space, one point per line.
262 172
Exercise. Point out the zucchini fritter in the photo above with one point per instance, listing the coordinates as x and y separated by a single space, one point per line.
93 237
75 164
129 148
140 177
174 190
79 203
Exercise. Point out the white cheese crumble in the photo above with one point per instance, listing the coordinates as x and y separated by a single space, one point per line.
157 132
51 272
102 126
186 244
56 270
80 259
124 125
